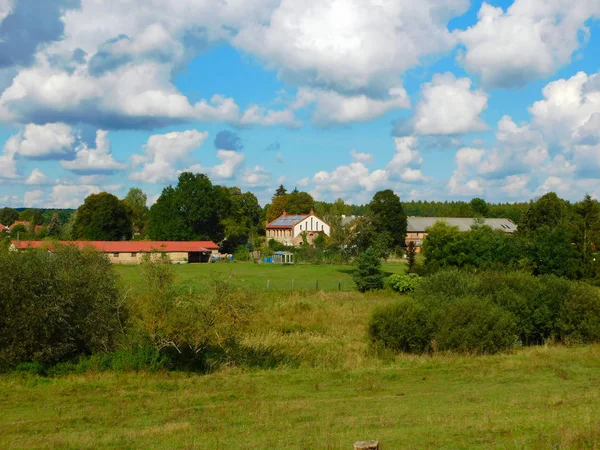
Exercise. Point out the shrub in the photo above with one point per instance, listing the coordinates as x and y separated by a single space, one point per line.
402 327
404 283
55 306
473 325
368 275
579 317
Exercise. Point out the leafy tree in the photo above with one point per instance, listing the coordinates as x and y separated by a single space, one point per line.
136 200
480 207
102 217
280 191
587 230
8 216
411 253
67 230
34 216
191 210
277 207
549 210
364 235
54 227
299 203
243 221
388 216
368 275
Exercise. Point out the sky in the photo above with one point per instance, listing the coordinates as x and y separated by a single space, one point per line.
435 99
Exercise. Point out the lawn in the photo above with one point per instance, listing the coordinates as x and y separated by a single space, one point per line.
277 277
307 379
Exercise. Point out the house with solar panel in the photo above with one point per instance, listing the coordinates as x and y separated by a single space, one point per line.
290 229
416 227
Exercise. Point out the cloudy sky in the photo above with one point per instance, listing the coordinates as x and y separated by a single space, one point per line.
436 99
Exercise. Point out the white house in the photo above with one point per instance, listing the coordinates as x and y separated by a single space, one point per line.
290 229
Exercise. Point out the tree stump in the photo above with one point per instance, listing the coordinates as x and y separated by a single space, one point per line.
366 445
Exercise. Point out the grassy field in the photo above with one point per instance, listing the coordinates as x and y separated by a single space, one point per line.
279 277
311 381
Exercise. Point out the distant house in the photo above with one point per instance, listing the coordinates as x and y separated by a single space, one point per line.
416 230
27 225
290 229
130 252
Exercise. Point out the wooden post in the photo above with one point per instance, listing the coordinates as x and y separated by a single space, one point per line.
339 285
366 445
292 285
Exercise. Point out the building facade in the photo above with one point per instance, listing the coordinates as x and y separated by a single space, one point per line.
131 252
416 230
291 229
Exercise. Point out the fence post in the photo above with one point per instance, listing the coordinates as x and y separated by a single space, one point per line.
292 285
339 285
366 445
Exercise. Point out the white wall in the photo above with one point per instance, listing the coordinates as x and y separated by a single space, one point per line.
312 223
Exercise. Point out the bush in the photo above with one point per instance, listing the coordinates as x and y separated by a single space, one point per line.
404 283
368 275
402 327
54 306
579 317
472 325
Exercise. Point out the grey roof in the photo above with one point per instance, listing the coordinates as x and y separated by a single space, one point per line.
287 221
283 253
420 224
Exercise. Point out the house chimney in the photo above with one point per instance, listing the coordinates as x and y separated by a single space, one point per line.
284 214
312 212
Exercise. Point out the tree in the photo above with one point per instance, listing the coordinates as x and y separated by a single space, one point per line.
194 209
480 207
243 221
411 252
388 216
587 230
102 217
136 200
277 207
549 210
368 275
280 191
8 216
33 216
299 203
54 226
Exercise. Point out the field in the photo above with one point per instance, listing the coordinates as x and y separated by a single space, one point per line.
277 277
306 378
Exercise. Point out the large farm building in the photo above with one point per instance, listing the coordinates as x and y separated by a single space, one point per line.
291 229
131 252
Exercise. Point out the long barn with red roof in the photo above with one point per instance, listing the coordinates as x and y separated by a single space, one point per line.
130 252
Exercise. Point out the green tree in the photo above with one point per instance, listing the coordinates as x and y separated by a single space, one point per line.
587 231
549 210
191 210
388 216
102 217
480 207
280 191
54 227
277 207
368 275
411 253
136 200
33 216
299 203
8 216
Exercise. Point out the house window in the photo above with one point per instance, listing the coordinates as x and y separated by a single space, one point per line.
300 227
322 228
133 255
116 255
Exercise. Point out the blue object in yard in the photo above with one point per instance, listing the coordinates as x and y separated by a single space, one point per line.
271 260
231 258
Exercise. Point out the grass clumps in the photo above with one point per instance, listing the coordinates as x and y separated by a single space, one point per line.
488 313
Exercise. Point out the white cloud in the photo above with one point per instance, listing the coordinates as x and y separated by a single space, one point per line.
350 45
97 160
163 152
256 177
256 115
53 140
70 196
37 177
449 106
33 199
366 158
230 162
530 40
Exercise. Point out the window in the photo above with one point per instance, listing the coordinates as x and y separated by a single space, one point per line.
116 255
322 227
300 227
133 255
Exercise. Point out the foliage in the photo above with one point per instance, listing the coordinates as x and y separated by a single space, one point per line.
241 253
404 283
388 216
480 207
296 202
102 217
368 275
421 208
411 254
549 210
33 216
8 216
136 201
54 227
402 327
56 305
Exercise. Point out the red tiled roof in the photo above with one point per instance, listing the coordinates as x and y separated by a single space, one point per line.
3 227
38 228
127 246
19 222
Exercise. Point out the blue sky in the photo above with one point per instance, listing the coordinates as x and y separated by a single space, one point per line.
437 100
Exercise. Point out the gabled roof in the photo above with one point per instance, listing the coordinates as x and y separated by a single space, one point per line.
420 224
126 246
285 221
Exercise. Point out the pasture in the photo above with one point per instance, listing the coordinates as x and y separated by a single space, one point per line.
303 277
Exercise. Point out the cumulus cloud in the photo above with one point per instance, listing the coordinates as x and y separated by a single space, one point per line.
529 40
350 46
99 160
37 177
449 106
70 195
50 141
163 152
230 162
362 157
33 199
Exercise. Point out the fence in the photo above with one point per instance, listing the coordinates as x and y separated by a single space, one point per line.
303 285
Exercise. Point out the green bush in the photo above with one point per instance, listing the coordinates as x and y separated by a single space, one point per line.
54 306
404 283
579 318
473 325
32 368
402 327
368 275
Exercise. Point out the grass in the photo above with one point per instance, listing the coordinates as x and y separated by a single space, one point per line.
310 381
305 276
